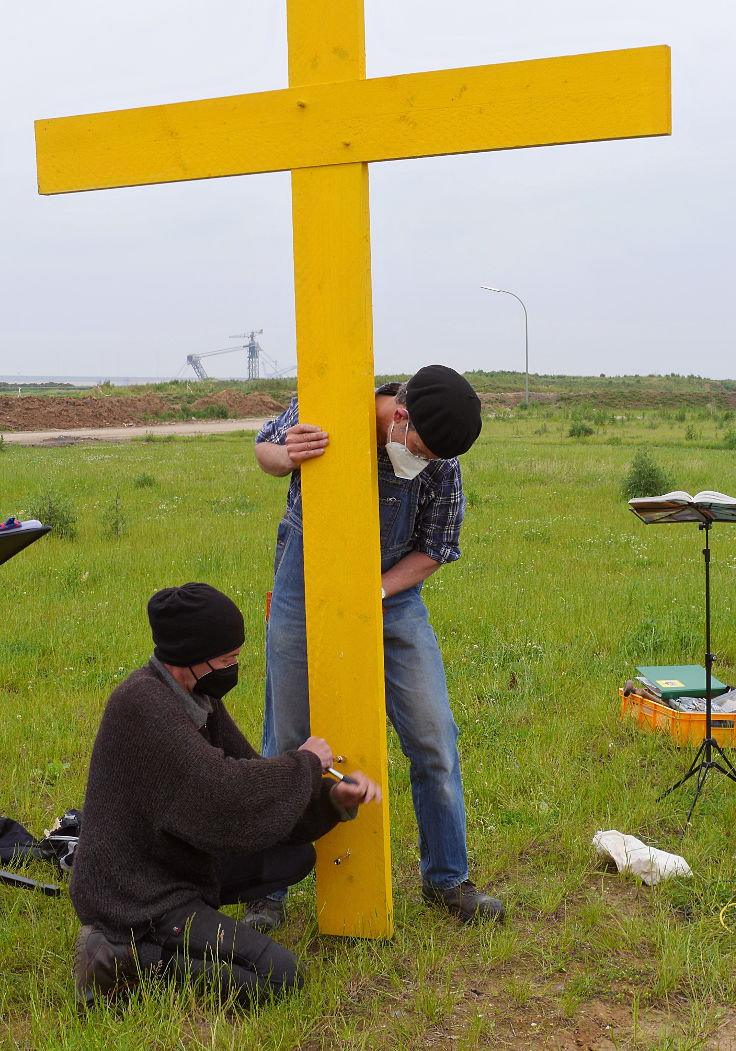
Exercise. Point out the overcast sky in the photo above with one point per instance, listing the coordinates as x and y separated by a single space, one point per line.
622 251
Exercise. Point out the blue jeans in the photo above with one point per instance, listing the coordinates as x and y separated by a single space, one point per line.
416 702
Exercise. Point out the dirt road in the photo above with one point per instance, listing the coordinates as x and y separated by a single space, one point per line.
85 435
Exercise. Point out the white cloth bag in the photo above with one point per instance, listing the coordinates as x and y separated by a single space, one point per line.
631 855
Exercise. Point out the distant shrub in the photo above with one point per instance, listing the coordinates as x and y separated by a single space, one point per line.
690 434
56 511
114 519
143 481
215 412
729 439
645 477
151 436
580 430
209 412
3 444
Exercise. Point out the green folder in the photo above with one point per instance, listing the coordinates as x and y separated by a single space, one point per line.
682 680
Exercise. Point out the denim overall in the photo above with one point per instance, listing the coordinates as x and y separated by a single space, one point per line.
416 692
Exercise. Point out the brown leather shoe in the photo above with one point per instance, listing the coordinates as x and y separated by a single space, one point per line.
464 901
265 914
101 967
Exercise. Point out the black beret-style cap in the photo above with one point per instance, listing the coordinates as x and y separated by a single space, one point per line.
444 409
194 623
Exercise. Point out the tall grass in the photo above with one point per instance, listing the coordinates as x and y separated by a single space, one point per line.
559 593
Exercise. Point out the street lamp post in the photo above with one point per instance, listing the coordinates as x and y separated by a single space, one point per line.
489 288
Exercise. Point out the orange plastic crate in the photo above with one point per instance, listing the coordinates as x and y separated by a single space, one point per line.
683 727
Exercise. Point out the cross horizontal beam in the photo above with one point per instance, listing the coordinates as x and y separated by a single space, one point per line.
575 98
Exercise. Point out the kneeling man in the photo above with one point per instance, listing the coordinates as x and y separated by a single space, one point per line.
182 816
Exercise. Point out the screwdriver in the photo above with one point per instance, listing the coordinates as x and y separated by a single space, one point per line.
339 776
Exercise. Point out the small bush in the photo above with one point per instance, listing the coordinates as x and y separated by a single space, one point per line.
645 477
472 496
3 444
53 509
729 439
143 481
51 773
580 430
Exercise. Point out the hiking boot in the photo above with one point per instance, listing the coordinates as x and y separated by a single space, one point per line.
265 914
101 967
464 901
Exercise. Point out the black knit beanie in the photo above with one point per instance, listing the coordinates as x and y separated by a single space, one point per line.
194 623
444 409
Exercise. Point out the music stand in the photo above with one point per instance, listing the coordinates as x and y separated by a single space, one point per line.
15 536
705 508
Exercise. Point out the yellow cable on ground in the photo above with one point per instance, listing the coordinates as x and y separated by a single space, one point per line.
721 914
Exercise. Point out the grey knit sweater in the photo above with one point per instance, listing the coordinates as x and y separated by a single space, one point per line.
164 797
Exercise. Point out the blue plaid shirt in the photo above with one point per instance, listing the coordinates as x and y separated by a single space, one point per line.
440 505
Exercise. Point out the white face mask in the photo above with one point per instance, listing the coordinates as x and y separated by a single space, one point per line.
405 463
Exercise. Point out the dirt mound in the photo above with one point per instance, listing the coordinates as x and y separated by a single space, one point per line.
34 413
239 404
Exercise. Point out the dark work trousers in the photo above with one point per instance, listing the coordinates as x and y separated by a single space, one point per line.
196 941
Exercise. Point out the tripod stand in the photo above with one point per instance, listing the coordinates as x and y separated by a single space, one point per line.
704 762
14 537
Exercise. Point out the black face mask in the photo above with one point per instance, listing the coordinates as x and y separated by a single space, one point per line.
218 682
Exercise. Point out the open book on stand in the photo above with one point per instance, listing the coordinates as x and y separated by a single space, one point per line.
15 535
681 507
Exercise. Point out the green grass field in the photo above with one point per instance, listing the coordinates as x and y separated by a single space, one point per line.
559 593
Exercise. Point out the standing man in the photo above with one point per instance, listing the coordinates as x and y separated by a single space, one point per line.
422 427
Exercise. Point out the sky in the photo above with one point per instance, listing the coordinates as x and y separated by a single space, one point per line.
621 251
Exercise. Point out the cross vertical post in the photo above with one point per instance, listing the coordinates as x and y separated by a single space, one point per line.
342 562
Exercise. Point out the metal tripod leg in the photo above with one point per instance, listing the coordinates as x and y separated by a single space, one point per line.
702 768
702 774
731 771
24 883
692 769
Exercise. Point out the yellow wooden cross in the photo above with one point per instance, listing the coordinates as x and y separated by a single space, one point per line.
326 127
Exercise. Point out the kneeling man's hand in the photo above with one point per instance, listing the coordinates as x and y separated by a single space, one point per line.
321 749
363 790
